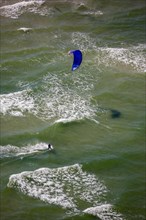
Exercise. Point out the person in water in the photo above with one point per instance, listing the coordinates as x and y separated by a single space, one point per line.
50 147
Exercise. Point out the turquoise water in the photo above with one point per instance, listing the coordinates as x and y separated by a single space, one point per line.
94 117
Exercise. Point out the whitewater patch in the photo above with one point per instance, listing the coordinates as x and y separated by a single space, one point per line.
132 56
66 99
17 103
39 7
83 41
67 106
104 212
68 187
54 98
24 29
10 150
19 8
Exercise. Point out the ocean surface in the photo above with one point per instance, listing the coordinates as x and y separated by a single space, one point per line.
94 116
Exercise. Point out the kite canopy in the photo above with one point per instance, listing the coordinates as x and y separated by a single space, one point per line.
77 59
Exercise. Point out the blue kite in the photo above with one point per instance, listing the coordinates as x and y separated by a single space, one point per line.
77 59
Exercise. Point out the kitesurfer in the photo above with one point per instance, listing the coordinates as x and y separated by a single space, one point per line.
77 58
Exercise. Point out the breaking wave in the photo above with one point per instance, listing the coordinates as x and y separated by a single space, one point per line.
104 212
67 187
45 8
19 8
54 100
17 103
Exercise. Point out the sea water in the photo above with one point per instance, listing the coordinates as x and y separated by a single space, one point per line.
94 117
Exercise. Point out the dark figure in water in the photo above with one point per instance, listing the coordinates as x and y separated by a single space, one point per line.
115 113
50 147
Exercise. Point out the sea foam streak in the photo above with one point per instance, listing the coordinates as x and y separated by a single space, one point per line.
65 186
10 150
24 29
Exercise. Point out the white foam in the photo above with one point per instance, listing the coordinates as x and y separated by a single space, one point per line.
56 101
83 41
10 150
64 120
19 8
61 101
68 187
61 186
24 29
104 212
133 56
17 103
92 12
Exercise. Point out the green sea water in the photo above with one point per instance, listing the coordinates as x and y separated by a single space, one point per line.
94 117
